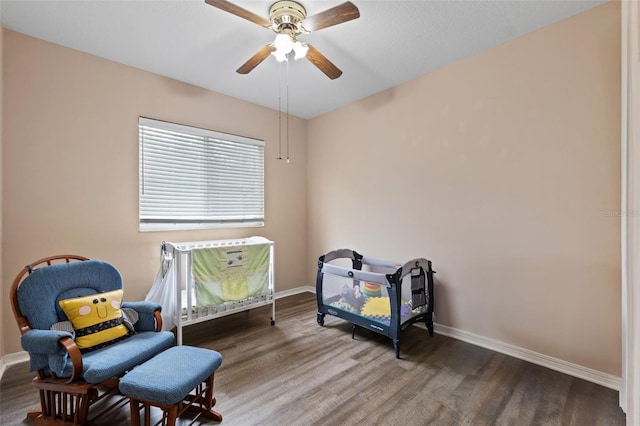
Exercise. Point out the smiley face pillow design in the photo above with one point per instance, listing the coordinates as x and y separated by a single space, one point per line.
97 319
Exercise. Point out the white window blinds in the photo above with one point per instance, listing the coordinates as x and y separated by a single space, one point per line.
196 178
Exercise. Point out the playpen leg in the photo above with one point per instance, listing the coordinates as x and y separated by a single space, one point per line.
320 319
396 346
353 332
429 323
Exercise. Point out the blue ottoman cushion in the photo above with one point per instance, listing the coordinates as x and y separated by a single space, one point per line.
169 376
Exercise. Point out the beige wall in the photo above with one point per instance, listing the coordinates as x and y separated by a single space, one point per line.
71 165
2 305
504 169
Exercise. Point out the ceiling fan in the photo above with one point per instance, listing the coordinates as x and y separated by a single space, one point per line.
288 19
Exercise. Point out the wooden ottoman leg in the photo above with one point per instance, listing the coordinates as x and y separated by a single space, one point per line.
147 414
208 397
172 415
206 407
203 401
134 411
170 412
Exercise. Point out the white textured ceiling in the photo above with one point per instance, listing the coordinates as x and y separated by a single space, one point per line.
188 40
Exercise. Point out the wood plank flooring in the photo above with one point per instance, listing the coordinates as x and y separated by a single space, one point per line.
298 373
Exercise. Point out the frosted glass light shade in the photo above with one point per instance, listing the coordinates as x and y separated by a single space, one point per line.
284 44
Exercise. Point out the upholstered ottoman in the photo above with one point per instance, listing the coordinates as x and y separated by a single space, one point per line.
167 381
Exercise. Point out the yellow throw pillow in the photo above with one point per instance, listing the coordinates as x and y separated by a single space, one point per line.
97 319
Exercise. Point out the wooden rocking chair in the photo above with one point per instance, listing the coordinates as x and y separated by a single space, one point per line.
71 379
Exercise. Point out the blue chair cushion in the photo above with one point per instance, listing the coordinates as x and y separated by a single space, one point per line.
115 360
40 292
170 376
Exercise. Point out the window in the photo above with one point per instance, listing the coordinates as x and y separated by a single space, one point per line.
195 178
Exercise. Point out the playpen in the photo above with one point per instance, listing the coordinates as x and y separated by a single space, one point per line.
382 296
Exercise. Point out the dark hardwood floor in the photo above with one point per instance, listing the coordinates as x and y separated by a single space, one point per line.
298 373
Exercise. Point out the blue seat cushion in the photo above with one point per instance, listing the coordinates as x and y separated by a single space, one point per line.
115 360
170 376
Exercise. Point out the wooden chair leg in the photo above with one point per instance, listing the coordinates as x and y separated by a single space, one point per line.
63 403
82 410
62 407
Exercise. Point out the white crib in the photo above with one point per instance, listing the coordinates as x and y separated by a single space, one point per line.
194 302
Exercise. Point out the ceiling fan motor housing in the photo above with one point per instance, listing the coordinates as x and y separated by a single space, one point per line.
285 17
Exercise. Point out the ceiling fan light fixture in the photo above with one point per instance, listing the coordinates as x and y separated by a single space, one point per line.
300 50
283 43
280 55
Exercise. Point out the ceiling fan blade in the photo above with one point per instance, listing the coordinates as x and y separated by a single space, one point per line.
227 6
336 15
320 61
256 59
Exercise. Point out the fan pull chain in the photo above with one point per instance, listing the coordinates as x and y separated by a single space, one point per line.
288 160
279 111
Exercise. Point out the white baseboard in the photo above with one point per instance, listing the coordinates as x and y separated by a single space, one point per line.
575 370
12 359
297 290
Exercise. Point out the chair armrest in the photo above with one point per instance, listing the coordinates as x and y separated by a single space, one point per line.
43 341
147 317
52 348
